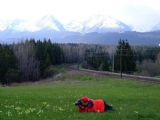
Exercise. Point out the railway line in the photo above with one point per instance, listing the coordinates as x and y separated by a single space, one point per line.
118 75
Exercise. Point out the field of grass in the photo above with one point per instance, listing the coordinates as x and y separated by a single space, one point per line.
132 100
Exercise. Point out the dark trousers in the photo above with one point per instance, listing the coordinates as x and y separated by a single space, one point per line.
107 107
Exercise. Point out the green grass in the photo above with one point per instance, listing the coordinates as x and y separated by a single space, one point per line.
158 76
132 100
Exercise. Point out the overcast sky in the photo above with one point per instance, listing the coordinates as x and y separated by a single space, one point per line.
141 14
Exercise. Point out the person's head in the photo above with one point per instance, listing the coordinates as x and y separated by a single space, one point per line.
84 100
79 104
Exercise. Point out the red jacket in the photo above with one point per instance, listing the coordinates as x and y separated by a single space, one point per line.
98 106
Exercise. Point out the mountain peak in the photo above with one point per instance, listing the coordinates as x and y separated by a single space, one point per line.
50 22
107 24
97 23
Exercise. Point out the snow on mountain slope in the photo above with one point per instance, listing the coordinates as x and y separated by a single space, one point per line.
3 25
49 22
156 27
18 25
98 23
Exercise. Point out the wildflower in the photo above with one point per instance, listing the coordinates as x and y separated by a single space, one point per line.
60 109
9 113
19 113
44 103
27 111
32 109
17 108
6 106
39 112
12 106
136 112
47 105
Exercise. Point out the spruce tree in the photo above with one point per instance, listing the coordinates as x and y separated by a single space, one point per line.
125 58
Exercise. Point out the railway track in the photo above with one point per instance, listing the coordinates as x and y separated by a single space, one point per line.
118 75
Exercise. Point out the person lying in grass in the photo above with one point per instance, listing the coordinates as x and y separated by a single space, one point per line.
86 104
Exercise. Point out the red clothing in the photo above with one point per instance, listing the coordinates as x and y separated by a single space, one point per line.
98 106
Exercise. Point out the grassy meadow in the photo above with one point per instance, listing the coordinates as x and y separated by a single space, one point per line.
54 99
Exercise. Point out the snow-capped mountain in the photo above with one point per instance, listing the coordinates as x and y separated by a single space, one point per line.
50 22
18 25
156 27
3 25
102 24
96 29
96 23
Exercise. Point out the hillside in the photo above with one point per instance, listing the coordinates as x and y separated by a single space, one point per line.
55 98
111 38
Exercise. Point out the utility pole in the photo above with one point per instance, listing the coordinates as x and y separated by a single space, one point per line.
121 61
113 63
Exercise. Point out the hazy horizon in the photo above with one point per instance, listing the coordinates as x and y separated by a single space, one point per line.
142 15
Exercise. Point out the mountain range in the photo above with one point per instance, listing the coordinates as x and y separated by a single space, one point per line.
94 30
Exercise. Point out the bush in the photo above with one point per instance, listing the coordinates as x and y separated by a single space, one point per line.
11 76
149 68
48 72
85 65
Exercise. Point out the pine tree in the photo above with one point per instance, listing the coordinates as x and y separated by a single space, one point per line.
97 58
7 63
125 58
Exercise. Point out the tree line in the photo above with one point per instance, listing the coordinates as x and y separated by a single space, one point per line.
34 59
28 61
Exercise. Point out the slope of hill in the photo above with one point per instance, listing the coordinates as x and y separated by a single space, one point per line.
55 99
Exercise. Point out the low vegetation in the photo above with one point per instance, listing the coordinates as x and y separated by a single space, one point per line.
54 100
